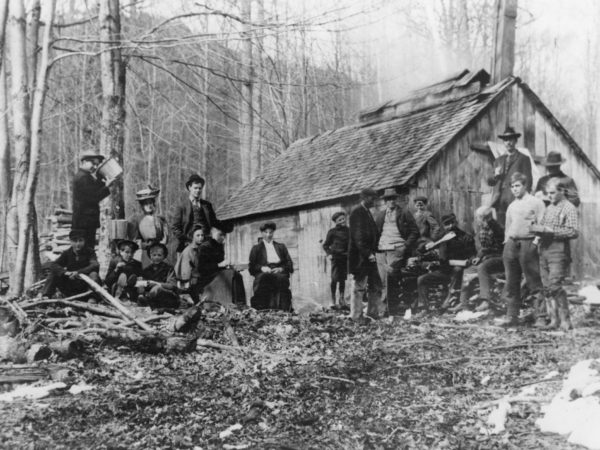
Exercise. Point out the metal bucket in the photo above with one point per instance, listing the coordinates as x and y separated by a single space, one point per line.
109 169
117 229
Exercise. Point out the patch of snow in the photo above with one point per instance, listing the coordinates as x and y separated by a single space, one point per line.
591 294
497 418
31 392
229 431
463 316
80 387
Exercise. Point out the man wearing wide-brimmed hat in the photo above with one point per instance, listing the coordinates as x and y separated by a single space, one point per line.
88 192
194 212
504 166
398 234
552 162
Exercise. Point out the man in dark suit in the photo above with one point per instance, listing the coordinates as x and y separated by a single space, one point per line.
88 192
362 262
504 166
194 212
553 162
271 266
398 234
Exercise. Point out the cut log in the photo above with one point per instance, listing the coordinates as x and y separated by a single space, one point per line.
67 348
116 303
38 352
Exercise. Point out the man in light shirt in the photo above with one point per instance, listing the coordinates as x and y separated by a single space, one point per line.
271 266
398 235
520 255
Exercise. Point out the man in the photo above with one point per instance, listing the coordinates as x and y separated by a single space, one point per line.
362 262
504 167
552 163
429 228
336 247
488 262
63 272
271 266
211 253
88 192
194 212
459 247
398 234
559 224
520 254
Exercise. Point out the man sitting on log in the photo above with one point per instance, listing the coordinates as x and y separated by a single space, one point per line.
161 287
63 272
123 271
271 266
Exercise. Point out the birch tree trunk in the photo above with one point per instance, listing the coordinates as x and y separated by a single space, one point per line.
5 173
246 101
257 101
112 69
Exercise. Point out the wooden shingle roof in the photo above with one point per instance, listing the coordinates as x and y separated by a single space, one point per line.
339 163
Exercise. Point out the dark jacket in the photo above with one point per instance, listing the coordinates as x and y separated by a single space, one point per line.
182 221
364 238
258 258
407 226
161 273
502 196
85 262
133 267
210 254
571 192
336 242
460 247
88 192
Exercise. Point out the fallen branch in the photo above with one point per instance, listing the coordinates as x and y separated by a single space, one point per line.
441 361
116 303
343 380
521 345
211 344
78 305
545 380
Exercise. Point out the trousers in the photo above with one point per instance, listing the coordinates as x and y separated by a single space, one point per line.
520 257
367 282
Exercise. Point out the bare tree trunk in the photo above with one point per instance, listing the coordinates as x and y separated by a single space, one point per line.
33 28
5 174
256 160
113 96
246 101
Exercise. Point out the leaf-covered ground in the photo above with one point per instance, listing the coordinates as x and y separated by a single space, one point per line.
318 382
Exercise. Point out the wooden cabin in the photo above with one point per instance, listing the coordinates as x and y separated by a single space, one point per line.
432 142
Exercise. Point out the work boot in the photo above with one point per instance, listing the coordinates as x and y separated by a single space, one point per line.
483 306
563 312
552 309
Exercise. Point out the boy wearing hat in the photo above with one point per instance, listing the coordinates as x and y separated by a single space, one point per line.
461 247
271 266
186 268
62 272
398 234
552 163
336 247
429 228
504 167
123 271
88 192
161 287
194 212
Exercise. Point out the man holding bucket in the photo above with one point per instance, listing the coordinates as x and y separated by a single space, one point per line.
88 191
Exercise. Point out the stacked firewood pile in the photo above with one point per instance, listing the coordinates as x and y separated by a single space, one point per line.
57 240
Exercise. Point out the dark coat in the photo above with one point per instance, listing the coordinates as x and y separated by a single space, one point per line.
88 192
210 254
571 191
336 242
460 247
85 262
364 238
258 258
133 267
161 273
502 196
182 221
407 226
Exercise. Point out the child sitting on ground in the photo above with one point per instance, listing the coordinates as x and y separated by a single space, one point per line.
160 290
123 271
186 268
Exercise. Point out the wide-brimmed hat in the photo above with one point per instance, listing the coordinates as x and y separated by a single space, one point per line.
553 159
509 133
390 193
194 178
90 154
369 192
160 245
147 194
448 218
129 242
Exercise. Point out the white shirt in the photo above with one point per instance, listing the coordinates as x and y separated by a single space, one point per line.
390 236
521 214
272 256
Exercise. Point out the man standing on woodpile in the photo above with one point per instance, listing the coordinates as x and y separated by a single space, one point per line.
271 266
194 212
398 234
559 225
362 259
88 192
520 253
504 167
552 163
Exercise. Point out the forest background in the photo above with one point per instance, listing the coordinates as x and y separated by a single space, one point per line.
223 87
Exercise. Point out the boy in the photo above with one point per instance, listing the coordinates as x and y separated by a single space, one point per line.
186 268
429 228
559 224
123 271
161 287
75 260
520 254
336 247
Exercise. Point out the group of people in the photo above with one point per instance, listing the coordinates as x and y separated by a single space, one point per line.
518 234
